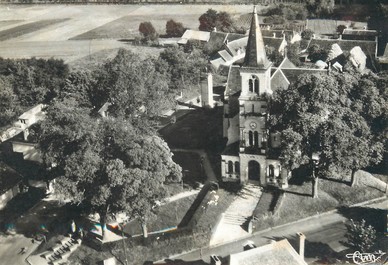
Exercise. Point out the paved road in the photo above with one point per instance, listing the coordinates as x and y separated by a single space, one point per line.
324 232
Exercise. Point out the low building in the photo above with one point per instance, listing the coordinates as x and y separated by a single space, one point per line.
276 253
196 35
10 184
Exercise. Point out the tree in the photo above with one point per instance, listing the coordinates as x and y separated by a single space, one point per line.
221 21
9 103
293 51
320 8
107 165
136 88
207 21
184 68
148 31
324 115
316 53
340 29
174 29
360 236
307 34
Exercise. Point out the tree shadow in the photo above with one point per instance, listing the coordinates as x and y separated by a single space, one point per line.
297 193
300 175
372 216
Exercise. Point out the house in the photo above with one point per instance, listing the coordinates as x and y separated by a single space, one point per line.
250 153
10 184
383 60
359 34
276 253
202 36
234 51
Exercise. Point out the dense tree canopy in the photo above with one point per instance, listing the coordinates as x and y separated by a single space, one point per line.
9 104
174 29
148 31
320 8
343 117
108 165
27 82
221 21
134 87
184 68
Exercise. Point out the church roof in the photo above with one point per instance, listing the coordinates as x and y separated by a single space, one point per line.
234 80
255 55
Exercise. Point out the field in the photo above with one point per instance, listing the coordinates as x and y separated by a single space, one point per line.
81 31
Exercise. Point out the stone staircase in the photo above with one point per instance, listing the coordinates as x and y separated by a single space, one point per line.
60 252
235 218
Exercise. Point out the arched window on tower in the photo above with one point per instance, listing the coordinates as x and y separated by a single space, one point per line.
250 85
256 86
237 167
230 167
256 139
250 138
271 173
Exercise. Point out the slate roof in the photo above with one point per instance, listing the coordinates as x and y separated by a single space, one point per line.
329 26
368 47
359 32
292 74
232 149
8 177
234 81
280 252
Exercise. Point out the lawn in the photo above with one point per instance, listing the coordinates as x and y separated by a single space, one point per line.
28 28
298 203
162 246
168 215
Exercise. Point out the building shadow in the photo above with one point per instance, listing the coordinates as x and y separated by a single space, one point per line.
372 216
177 262
315 250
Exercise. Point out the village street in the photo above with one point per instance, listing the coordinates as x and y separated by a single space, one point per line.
323 232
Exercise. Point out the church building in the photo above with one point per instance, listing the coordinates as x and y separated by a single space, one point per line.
246 157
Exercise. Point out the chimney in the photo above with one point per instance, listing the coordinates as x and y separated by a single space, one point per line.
274 35
214 29
207 92
301 242
329 68
26 132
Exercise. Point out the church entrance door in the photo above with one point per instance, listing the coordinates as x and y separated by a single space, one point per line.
253 171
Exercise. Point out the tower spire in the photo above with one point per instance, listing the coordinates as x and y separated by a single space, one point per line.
255 55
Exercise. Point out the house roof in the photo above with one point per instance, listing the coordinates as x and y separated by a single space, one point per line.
292 74
35 111
8 177
329 26
196 35
360 32
368 47
277 253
